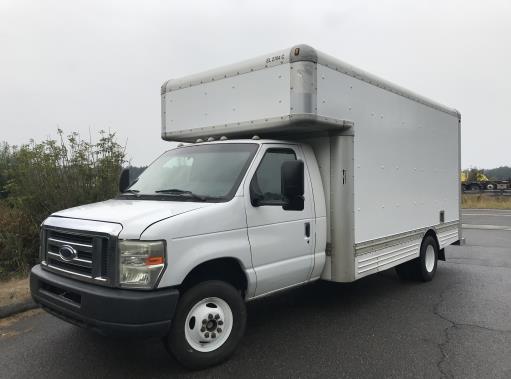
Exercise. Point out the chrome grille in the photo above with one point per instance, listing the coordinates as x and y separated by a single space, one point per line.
91 258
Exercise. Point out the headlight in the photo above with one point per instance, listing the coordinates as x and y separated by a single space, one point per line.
141 263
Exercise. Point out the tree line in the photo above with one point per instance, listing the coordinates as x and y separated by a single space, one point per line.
475 174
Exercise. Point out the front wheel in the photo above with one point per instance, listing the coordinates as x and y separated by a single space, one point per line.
208 324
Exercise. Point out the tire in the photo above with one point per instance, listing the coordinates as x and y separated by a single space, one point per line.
209 323
422 268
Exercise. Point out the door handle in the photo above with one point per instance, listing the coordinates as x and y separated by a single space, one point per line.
307 229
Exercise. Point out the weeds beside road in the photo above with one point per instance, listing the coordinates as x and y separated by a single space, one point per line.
38 179
14 290
483 201
15 297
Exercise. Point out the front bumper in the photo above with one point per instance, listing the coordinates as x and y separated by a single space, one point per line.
106 310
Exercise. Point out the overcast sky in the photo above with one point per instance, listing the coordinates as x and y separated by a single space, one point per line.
82 65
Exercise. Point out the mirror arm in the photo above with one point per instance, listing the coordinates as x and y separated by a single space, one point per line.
255 199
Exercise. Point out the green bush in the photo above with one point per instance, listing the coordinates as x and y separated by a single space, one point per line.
18 239
41 178
5 159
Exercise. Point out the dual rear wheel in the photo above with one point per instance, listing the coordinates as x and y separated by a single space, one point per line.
423 267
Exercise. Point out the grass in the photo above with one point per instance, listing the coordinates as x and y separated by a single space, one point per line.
481 201
14 291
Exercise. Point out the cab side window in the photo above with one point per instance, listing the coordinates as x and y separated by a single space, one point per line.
266 183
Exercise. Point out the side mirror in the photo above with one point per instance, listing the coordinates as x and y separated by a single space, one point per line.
124 180
292 184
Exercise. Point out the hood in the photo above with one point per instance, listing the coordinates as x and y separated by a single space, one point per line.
134 215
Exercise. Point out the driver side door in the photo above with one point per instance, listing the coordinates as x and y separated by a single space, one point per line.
281 241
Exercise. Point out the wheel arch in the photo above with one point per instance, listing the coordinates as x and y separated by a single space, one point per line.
227 269
441 252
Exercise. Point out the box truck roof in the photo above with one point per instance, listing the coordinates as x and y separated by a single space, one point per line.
278 93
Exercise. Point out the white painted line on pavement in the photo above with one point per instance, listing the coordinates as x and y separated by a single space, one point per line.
487 214
484 210
486 227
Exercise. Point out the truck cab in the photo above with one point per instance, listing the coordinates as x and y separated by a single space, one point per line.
239 213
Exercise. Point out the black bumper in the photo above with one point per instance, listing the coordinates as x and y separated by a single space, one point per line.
106 310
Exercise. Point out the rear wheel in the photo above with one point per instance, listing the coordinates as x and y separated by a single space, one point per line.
209 323
423 267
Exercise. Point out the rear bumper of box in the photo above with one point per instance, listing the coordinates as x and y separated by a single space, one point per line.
108 311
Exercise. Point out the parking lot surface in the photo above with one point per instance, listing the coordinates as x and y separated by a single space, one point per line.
458 325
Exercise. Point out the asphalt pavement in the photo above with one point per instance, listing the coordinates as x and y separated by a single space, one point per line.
458 325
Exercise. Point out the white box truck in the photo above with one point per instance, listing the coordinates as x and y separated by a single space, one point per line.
273 187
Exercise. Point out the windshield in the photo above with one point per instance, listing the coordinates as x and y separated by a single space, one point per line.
196 173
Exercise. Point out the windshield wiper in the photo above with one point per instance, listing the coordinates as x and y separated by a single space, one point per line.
179 192
131 191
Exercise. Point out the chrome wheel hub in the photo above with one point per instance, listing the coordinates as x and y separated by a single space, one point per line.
430 258
208 324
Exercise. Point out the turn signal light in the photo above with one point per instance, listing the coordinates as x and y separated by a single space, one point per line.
151 261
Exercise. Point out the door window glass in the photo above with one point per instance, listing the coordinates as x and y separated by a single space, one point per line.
267 179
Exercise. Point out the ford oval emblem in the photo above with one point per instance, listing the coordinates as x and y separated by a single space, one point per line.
67 253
